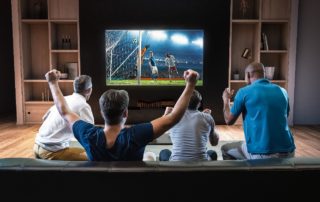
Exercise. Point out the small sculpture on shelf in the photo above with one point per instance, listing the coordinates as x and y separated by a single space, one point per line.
246 53
244 8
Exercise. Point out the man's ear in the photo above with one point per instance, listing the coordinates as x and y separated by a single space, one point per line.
125 113
248 76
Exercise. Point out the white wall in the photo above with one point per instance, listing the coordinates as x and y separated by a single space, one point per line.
307 81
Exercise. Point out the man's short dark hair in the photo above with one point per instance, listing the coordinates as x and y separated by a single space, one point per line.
82 83
195 100
113 103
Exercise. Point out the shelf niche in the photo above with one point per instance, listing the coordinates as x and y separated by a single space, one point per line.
34 9
244 37
245 9
35 50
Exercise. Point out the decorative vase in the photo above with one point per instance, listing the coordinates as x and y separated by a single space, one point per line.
72 69
269 72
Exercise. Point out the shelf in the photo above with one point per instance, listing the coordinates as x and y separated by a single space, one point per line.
47 37
39 103
273 51
35 50
248 9
279 61
244 36
65 51
34 9
238 81
245 21
277 35
64 36
279 81
45 81
35 21
275 21
64 21
35 81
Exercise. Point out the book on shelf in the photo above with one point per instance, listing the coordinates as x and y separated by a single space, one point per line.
264 39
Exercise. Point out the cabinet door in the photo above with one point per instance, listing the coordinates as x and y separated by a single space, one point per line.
34 113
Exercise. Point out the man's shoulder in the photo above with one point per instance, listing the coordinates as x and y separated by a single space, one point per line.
138 126
84 126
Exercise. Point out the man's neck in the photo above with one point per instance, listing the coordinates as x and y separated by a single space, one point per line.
116 127
255 79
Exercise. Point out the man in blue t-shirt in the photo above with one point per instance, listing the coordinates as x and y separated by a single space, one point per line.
265 108
115 142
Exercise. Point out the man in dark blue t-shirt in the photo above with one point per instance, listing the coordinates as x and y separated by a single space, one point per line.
115 142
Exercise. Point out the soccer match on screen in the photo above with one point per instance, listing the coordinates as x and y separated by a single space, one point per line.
152 57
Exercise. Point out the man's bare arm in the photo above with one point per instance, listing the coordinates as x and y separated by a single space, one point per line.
61 104
228 117
164 123
213 137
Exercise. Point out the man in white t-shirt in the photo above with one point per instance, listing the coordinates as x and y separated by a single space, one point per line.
190 136
53 139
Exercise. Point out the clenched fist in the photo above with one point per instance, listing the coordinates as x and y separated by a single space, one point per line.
53 76
191 76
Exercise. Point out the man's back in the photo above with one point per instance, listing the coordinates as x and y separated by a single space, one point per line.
128 146
190 136
265 108
55 134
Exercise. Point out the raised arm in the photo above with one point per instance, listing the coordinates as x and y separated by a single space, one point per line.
164 123
228 117
61 104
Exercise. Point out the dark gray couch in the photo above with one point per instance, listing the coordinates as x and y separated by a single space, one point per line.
280 179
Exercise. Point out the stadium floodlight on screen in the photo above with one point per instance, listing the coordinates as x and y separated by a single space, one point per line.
152 57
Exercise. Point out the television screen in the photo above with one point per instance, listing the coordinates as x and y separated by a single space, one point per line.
152 57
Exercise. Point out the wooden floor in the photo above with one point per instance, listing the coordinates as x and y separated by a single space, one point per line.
17 141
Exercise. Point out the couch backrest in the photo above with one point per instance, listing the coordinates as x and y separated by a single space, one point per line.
163 181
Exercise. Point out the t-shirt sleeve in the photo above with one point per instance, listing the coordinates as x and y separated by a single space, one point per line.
142 134
238 104
208 118
81 131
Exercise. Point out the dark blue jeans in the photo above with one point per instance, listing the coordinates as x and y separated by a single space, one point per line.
165 154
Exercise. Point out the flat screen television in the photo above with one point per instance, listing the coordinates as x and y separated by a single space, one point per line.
152 57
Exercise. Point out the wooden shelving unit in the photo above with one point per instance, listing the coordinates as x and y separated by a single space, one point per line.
250 19
46 34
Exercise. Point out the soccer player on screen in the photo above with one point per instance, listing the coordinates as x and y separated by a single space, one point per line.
153 67
143 51
170 62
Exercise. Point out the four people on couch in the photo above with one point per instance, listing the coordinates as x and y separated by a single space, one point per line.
264 107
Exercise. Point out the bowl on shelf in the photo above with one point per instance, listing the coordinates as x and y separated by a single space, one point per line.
64 76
